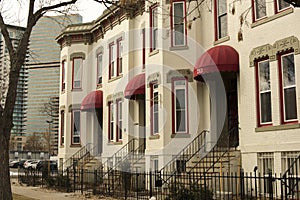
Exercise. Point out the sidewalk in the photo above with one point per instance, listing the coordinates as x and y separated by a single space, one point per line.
47 194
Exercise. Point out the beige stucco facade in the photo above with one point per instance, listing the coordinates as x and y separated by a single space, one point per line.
276 33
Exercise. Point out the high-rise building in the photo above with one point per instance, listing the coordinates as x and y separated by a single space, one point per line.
43 77
19 114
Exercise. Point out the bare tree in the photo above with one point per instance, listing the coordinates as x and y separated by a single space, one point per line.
35 143
17 55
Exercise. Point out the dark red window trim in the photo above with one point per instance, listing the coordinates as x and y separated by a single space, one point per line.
76 88
276 7
279 55
63 77
109 121
172 24
72 128
154 6
110 60
118 120
144 48
254 14
173 104
62 127
151 106
118 56
97 75
216 20
258 93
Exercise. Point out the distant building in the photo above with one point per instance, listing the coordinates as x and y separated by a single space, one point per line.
43 76
19 114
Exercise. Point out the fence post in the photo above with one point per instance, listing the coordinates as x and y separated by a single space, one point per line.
95 182
150 184
242 183
81 188
270 185
137 185
68 180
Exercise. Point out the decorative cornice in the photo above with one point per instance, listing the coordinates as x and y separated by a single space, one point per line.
77 55
187 73
155 77
271 51
260 52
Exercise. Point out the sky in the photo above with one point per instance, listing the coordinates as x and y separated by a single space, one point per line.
14 12
90 10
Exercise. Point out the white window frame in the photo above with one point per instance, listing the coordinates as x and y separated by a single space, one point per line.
175 88
219 16
257 9
99 68
155 111
119 119
261 91
154 27
75 71
288 87
76 134
174 31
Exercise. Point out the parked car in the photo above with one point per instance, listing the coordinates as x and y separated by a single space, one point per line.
21 163
30 164
14 164
43 164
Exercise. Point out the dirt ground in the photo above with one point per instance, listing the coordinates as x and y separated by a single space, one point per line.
23 192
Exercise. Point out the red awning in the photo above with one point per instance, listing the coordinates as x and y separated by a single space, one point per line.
93 100
217 59
135 86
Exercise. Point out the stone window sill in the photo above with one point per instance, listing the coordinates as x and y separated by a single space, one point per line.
277 128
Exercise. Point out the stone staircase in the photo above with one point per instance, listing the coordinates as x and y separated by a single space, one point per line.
194 166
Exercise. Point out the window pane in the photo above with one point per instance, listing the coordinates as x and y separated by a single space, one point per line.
99 69
260 8
180 121
222 7
266 111
76 139
264 76
288 70
290 103
282 4
180 99
223 26
76 123
77 69
155 121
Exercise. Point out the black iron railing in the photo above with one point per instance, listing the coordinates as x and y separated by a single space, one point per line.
81 157
290 181
178 163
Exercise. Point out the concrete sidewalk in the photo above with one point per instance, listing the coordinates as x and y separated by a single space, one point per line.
43 194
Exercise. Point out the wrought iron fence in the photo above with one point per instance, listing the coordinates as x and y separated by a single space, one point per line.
184 186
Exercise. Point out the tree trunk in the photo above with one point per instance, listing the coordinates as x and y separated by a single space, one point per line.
5 192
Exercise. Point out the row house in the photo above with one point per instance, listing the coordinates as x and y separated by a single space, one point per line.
171 81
